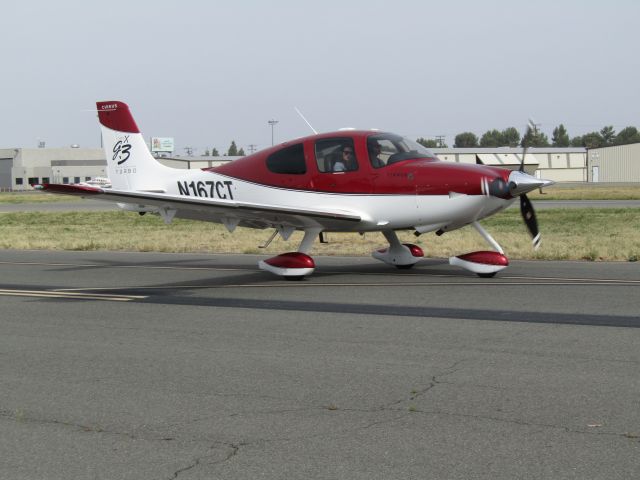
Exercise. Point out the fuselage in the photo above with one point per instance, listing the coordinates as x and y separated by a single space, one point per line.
404 186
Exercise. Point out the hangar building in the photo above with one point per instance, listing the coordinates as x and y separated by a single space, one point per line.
553 163
615 164
22 167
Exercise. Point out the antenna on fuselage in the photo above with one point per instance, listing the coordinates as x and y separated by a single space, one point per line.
305 120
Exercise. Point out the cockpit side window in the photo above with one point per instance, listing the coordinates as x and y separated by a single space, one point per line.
386 149
380 149
334 155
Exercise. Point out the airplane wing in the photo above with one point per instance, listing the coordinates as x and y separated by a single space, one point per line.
254 215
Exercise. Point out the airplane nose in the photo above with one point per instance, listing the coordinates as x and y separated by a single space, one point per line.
521 183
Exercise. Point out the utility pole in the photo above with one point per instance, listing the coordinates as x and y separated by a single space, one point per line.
252 147
189 151
273 123
440 140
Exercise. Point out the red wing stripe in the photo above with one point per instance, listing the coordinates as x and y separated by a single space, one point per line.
72 189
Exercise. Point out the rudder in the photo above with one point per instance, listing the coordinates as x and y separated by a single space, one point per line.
130 165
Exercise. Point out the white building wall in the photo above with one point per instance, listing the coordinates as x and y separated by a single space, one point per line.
562 174
55 165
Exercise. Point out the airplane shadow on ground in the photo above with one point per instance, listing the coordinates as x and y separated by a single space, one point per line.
220 291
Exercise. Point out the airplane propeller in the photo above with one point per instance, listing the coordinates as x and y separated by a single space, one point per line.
519 184
529 216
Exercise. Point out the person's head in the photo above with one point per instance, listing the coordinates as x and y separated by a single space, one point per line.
347 153
375 148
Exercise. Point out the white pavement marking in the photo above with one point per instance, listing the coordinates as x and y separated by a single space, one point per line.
71 295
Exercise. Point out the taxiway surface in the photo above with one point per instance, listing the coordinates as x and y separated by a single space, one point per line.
142 365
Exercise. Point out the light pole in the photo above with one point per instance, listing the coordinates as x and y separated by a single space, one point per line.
272 122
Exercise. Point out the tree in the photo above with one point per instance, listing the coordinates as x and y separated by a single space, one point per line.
592 140
560 137
428 142
608 135
534 138
206 152
627 135
241 152
577 141
465 140
510 137
214 152
233 149
492 138
542 140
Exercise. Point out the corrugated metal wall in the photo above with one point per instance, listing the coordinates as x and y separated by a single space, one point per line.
615 164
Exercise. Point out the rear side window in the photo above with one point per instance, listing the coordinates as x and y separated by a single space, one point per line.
289 160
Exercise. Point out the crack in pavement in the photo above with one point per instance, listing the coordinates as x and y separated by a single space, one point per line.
20 417
234 448
628 435
434 381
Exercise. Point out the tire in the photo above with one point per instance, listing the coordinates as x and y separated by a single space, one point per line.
487 275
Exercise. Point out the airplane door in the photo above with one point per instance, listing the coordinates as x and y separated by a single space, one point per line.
340 167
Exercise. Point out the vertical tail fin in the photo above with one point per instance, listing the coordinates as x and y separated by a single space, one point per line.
130 165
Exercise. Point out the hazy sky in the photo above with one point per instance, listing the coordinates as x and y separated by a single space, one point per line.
207 72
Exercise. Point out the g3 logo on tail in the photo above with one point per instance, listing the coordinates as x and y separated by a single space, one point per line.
121 150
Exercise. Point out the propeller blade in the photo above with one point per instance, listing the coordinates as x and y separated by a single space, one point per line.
529 216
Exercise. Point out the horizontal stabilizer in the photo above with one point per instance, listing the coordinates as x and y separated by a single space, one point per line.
79 190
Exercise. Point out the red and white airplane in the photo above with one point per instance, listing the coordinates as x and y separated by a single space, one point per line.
344 181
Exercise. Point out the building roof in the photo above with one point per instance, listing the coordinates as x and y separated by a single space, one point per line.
198 158
511 150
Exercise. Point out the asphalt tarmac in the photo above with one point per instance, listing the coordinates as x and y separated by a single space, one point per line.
182 366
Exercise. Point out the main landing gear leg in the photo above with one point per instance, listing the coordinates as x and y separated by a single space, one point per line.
294 265
483 263
402 255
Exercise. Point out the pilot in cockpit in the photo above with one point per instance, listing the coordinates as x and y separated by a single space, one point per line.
374 154
347 161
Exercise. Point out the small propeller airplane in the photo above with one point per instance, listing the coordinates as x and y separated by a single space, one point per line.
344 181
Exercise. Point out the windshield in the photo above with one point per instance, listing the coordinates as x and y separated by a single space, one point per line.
387 148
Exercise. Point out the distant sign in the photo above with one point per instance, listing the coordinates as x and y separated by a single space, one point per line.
161 144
